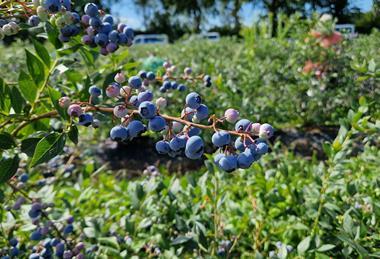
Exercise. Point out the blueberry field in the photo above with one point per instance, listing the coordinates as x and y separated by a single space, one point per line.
262 144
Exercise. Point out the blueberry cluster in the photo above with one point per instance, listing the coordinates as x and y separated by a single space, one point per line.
8 28
100 31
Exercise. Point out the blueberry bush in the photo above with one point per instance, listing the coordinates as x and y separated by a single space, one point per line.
78 82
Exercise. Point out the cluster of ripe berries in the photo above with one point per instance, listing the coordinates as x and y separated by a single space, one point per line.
8 28
100 31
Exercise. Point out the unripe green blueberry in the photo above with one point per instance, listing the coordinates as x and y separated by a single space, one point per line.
15 28
7 29
60 22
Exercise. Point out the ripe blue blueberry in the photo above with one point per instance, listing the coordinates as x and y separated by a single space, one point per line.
59 249
174 85
157 123
111 47
177 143
34 256
106 28
221 138
113 36
85 119
68 229
142 74
91 9
147 110
202 112
54 242
217 158
167 85
162 89
194 147
262 148
245 160
145 96
13 241
194 131
228 163
24 177
134 100
243 125
135 82
52 6
94 91
129 32
239 145
95 23
135 128
266 131
193 100
181 88
108 18
14 252
36 235
151 76
123 38
33 20
101 39
119 133
162 147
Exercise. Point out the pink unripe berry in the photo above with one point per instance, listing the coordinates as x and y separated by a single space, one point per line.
125 90
146 82
112 91
74 110
120 111
172 69
161 102
231 115
188 71
255 128
64 102
177 127
166 65
120 78
266 131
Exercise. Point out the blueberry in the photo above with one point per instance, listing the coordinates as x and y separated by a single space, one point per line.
95 22
262 148
74 110
231 115
14 252
86 19
135 82
94 91
177 143
54 242
194 147
120 27
108 18
151 76
13 241
228 163
202 112
239 145
59 249
221 138
119 133
243 125
52 6
91 9
193 100
33 20
142 74
106 28
70 220
266 131
167 85
36 235
135 128
112 47
194 131
101 39
245 160
134 100
113 90
217 158
68 229
174 85
75 17
162 147
181 88
24 177
85 119
145 96
129 32
123 38
147 110
113 36
157 123
162 89
34 256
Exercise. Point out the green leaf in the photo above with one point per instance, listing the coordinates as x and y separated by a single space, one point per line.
325 248
48 147
55 96
73 134
109 242
88 56
4 92
348 223
27 87
180 240
17 101
304 245
42 53
6 141
36 68
28 145
8 168
53 35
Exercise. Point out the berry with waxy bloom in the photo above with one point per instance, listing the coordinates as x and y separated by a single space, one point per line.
119 78
120 111
74 110
64 102
231 115
266 131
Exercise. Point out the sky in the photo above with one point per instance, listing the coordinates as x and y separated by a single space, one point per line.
127 12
